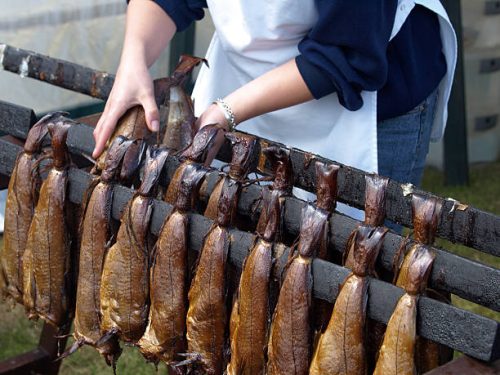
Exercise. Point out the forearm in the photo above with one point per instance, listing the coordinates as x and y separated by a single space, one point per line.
279 88
148 31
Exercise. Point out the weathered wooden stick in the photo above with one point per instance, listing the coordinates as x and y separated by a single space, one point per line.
57 72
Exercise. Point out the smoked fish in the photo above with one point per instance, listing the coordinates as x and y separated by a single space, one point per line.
289 345
196 153
249 323
96 233
165 333
124 294
207 314
341 348
132 124
22 197
47 275
179 130
397 353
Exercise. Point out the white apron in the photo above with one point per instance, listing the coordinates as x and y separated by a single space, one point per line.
252 37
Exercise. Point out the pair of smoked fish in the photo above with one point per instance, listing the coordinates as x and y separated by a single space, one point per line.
37 261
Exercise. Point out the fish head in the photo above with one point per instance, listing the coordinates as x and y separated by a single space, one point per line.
202 143
326 185
189 184
38 131
281 165
375 194
114 157
426 215
243 147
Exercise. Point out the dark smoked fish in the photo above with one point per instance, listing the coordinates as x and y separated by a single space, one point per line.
326 193
250 315
96 233
207 314
243 146
132 124
165 334
179 130
341 348
124 290
426 215
289 347
196 153
397 353
22 197
47 260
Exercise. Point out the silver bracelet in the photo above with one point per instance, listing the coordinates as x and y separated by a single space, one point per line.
228 113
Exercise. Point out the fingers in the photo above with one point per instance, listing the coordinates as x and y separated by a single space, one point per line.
106 125
212 153
152 113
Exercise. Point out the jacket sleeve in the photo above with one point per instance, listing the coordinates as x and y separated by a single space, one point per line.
183 12
345 51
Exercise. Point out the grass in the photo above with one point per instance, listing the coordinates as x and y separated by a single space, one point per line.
18 334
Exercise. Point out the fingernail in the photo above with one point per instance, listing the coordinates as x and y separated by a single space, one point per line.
155 125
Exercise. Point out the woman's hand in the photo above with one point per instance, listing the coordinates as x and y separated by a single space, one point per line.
133 86
148 31
279 88
213 115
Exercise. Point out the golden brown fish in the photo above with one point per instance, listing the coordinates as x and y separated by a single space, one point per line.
290 336
22 197
326 193
426 215
243 146
132 124
207 313
164 338
397 353
375 197
341 348
196 153
251 311
47 259
124 290
96 234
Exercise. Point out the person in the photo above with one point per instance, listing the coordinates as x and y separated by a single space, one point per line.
364 83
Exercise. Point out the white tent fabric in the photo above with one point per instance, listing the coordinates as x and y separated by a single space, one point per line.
85 32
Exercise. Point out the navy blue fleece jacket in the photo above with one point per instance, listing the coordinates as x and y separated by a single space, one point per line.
348 51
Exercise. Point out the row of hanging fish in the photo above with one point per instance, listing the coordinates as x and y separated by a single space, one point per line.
121 284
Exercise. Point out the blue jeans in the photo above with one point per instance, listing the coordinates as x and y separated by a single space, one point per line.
403 144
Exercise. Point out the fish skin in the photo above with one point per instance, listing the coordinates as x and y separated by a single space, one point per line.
46 269
22 196
341 346
290 337
125 279
180 123
249 322
164 336
289 343
49 251
19 209
396 355
250 313
124 294
207 313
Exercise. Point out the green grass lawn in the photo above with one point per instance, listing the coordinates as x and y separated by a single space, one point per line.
18 335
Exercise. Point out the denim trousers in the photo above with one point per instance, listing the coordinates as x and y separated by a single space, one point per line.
403 144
